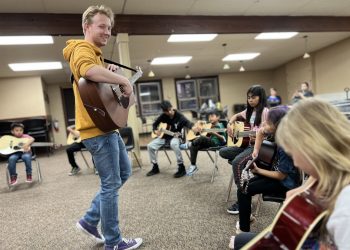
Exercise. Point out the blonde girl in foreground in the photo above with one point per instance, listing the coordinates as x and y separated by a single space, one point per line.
317 136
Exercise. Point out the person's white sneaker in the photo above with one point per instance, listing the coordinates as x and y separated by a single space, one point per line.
232 242
192 169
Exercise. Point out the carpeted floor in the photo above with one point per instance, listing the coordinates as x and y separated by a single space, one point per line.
168 213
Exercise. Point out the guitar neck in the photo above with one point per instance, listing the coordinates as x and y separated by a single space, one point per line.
214 130
135 77
246 133
42 144
168 132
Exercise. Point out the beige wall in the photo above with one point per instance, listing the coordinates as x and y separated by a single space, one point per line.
279 77
327 70
332 68
57 112
169 90
21 97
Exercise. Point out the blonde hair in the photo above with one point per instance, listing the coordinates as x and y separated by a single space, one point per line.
320 132
93 10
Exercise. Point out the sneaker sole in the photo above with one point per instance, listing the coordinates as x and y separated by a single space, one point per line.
191 174
29 181
232 212
136 245
99 241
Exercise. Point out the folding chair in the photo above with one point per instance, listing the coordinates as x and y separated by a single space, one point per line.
38 170
278 197
215 150
83 156
128 137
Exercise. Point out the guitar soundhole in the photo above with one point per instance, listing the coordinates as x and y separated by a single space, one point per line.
124 101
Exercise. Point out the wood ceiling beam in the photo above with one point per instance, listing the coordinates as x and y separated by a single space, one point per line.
69 24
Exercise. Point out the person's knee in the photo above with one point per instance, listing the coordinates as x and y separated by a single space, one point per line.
12 159
150 147
174 144
223 153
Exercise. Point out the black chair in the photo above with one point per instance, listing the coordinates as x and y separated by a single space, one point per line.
38 170
276 196
5 128
128 138
215 150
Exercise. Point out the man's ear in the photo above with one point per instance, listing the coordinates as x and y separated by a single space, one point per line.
85 26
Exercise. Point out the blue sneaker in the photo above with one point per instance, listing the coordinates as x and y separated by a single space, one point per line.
126 244
91 231
193 169
185 145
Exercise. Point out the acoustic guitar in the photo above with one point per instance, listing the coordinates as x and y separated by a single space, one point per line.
293 224
105 103
205 129
10 144
241 135
264 160
73 139
165 130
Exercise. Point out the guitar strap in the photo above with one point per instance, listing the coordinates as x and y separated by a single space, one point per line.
110 62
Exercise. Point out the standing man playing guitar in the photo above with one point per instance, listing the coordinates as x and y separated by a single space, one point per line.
108 149
176 122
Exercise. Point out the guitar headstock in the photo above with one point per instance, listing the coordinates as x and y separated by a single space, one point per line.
137 75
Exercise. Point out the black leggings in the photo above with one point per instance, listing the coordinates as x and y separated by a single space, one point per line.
75 147
197 144
257 185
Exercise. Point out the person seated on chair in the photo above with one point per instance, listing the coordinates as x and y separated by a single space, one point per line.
175 123
76 146
211 139
302 93
321 150
273 99
17 131
283 175
254 115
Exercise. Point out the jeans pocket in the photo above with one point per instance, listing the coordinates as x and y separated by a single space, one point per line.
91 145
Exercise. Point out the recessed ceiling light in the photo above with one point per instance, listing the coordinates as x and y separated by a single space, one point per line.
240 57
35 66
171 60
191 38
24 40
275 35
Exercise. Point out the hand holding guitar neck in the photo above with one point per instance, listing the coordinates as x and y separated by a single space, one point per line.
126 89
250 163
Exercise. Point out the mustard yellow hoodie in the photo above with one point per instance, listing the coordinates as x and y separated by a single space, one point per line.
81 56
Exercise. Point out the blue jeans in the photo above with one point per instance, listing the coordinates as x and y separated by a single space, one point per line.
27 159
155 145
113 166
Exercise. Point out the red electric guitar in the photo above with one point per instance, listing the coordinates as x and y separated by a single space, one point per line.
293 224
